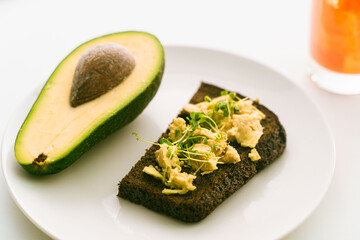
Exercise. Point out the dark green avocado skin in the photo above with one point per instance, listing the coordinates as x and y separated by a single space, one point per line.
115 122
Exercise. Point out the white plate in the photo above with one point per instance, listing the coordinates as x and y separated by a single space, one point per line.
81 201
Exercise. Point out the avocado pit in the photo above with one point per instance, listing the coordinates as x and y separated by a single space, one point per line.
100 69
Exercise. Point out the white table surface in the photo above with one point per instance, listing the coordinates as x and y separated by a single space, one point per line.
36 35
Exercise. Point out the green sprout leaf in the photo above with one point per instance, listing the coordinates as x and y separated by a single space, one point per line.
165 140
135 134
232 95
177 132
224 93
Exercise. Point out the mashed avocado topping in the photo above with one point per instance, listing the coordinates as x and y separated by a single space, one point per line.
201 142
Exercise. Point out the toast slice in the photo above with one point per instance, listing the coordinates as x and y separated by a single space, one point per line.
211 189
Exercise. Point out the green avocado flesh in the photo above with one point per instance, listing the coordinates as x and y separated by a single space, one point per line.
55 134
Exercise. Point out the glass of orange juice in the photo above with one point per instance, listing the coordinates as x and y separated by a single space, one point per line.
335 45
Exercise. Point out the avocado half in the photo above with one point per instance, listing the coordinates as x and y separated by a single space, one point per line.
55 134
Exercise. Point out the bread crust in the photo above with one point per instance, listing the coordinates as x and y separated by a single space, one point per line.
211 189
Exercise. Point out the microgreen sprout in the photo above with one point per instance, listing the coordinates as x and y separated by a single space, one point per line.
224 93
165 140
139 138
177 132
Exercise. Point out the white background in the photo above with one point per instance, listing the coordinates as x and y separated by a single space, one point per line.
36 35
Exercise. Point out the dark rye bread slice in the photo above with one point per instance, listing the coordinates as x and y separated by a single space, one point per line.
211 189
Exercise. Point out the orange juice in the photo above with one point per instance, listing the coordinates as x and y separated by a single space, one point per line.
335 34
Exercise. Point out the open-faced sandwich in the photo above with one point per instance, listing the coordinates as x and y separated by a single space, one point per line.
217 143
